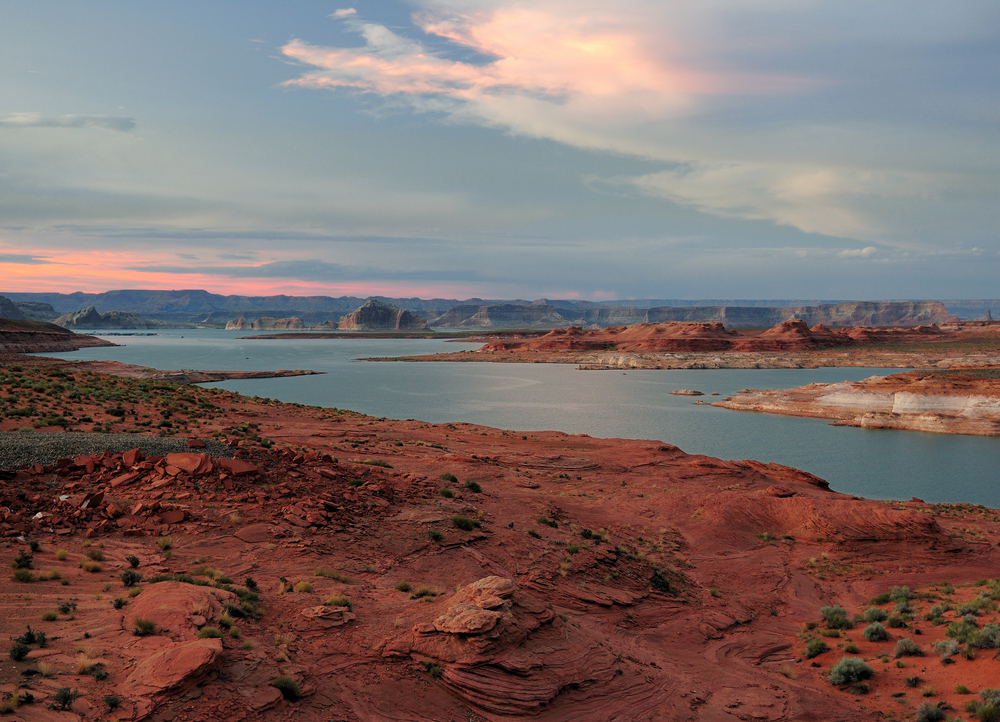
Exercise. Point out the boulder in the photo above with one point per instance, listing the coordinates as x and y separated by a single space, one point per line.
177 668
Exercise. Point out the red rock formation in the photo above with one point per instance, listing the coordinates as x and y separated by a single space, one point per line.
40 337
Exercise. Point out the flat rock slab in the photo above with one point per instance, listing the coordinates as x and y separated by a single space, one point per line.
238 467
179 666
254 533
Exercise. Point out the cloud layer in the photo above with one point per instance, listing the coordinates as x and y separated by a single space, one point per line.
37 120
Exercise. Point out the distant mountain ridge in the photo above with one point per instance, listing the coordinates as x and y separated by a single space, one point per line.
202 307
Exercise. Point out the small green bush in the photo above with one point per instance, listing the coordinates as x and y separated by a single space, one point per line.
118 602
113 701
403 586
875 632
464 523
288 687
447 493
835 617
23 575
906 647
928 712
64 697
339 601
874 614
449 477
18 651
434 535
50 616
473 486
22 560
815 647
850 669
132 560
130 578
534 534
882 598
144 627
209 633
850 648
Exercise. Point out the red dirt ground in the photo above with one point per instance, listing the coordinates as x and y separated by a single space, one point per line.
593 579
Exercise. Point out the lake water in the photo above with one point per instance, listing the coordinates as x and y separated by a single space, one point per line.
879 464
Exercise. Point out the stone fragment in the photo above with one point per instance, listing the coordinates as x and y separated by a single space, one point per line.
238 467
176 668
466 619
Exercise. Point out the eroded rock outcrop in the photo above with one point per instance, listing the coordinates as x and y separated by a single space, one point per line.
89 318
40 337
379 316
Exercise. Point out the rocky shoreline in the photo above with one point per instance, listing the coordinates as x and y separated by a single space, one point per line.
960 401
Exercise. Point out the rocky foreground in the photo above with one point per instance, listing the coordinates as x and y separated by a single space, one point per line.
344 567
956 401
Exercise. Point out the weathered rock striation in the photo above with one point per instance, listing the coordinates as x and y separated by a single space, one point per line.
956 401
40 337
378 316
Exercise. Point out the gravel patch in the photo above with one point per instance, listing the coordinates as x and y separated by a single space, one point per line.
20 448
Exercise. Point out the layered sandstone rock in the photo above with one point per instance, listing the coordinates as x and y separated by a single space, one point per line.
378 316
89 318
957 401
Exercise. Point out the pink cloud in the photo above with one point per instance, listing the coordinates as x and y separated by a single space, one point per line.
569 72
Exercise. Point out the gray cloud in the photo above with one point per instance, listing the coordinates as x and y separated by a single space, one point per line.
20 258
37 120
316 270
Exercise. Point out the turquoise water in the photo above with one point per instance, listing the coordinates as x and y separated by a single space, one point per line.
880 464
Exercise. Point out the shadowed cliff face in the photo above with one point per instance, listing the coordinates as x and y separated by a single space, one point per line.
41 337
379 316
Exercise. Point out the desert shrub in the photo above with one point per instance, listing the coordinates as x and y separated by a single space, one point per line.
947 648
534 534
882 598
67 607
34 545
113 701
850 669
89 565
962 631
434 535
874 614
305 587
895 621
339 601
875 632
331 575
829 632
96 554
988 637
988 713
64 697
835 617
906 647
130 578
464 523
22 560
815 647
226 621
288 687
898 593
118 602
18 651
250 584
928 712
904 607
447 493
423 592
449 477
209 633
165 543
660 583
23 575
41 639
850 648
144 627
62 555
962 689
28 637
133 561
990 696
403 586
473 486
50 616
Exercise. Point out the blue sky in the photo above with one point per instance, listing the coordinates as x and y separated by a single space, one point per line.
498 149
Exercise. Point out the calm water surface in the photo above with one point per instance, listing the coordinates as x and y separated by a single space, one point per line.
877 464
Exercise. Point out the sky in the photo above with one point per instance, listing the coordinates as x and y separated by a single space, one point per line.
498 149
